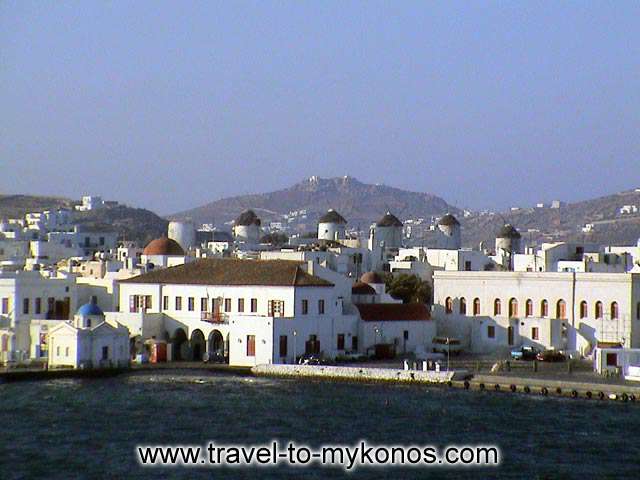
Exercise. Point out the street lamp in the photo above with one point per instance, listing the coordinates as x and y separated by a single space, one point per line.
295 333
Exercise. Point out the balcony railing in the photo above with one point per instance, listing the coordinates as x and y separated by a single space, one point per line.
213 317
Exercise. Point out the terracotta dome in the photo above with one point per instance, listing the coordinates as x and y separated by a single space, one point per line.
163 246
361 288
371 277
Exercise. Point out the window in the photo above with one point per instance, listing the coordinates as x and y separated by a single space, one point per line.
5 305
254 305
25 306
340 341
38 306
497 307
354 343
51 305
204 304
476 306
165 302
227 304
535 334
283 345
305 306
561 309
513 308
241 305
529 308
191 304
276 308
544 308
66 352
405 334
463 306
583 309
448 305
57 351
251 345
105 353
320 307
614 310
612 359
178 303
491 331
467 266
598 309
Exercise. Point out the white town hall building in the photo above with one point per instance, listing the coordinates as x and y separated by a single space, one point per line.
252 312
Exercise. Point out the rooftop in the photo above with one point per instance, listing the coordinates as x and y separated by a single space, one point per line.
332 217
393 312
232 271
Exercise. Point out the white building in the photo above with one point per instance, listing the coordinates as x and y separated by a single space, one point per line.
331 226
248 312
90 202
31 295
246 228
88 342
494 311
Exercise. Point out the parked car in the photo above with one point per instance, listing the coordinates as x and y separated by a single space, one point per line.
525 353
551 356
311 359
445 345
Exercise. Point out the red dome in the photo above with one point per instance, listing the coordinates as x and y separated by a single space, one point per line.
163 246
371 277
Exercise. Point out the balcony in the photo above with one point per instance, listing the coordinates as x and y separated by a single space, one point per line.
213 317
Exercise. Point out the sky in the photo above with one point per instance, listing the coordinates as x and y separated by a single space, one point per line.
168 105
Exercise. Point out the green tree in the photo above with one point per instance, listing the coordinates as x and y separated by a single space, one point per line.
408 288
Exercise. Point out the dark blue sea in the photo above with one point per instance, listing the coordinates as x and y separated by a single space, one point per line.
71 429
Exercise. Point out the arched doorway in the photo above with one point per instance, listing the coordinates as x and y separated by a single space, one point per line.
136 346
216 347
198 345
180 346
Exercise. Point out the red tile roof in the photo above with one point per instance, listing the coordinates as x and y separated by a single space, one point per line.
231 271
390 312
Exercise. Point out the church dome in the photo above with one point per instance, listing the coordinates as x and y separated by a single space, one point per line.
371 278
89 309
361 288
163 246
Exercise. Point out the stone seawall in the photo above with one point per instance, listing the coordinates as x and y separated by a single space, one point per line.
357 374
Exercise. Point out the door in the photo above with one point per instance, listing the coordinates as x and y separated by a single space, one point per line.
510 335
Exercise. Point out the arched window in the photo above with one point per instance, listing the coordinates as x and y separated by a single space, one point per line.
448 305
599 312
544 308
529 308
497 307
614 310
561 309
513 308
583 309
476 306
463 306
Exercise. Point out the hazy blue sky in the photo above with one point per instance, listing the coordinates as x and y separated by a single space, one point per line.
168 105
